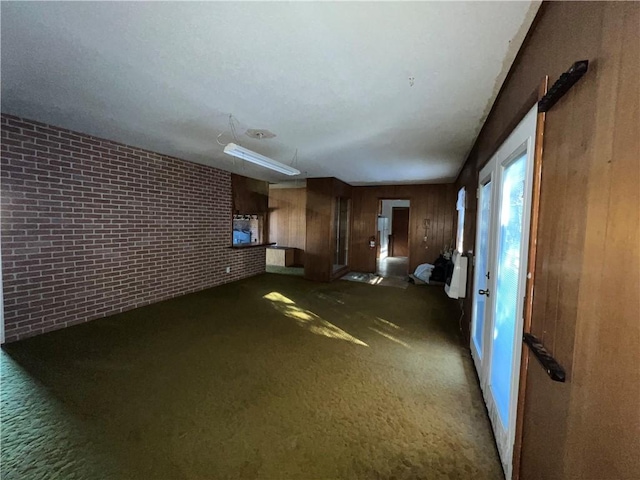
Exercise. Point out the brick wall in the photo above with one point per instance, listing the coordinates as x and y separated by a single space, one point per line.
91 227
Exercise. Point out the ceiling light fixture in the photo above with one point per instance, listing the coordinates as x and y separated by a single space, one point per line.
253 157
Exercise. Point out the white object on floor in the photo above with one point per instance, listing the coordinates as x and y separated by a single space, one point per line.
424 271
456 287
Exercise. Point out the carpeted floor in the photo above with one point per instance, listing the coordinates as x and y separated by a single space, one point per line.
273 377
375 279
299 271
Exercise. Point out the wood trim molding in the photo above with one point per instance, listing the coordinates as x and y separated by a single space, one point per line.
511 126
531 268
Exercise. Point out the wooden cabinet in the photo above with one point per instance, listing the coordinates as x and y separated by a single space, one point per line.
280 256
250 196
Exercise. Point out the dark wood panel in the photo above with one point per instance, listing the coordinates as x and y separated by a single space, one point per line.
604 431
288 219
400 232
436 203
550 409
365 214
320 250
318 229
586 294
249 195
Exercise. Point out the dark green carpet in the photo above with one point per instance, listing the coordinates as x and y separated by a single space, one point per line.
299 271
272 377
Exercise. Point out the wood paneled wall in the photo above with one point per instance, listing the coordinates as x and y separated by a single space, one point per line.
586 304
319 251
434 202
288 219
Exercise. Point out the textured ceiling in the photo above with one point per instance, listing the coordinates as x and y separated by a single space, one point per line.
331 80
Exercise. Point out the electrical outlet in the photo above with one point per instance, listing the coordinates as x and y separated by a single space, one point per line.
228 269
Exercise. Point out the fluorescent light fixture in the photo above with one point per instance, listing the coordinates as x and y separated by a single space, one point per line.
253 157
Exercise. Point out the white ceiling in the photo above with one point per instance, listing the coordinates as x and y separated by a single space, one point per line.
329 79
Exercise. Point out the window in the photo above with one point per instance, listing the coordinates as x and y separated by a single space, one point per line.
248 229
460 207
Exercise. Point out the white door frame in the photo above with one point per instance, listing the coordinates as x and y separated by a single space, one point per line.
521 140
479 357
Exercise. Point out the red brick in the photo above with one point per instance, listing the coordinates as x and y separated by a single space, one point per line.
111 228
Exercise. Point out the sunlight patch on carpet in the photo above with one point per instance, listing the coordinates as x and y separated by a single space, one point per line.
309 320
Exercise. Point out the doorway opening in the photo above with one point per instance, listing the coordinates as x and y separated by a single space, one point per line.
393 238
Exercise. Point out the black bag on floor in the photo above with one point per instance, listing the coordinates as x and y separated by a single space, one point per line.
442 268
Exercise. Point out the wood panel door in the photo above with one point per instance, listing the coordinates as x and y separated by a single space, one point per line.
400 232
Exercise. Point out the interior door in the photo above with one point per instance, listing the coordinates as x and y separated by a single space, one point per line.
504 208
400 231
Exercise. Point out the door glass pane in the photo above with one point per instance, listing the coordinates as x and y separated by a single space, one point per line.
506 295
482 265
341 232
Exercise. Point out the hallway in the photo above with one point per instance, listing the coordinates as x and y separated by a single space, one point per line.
393 266
271 377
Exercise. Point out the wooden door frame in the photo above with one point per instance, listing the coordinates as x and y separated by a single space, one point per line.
531 270
332 235
380 200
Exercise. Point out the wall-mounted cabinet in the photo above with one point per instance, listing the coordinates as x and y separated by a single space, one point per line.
250 196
